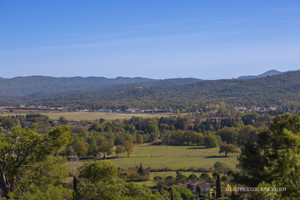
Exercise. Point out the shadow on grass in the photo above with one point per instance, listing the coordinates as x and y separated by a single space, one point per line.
216 157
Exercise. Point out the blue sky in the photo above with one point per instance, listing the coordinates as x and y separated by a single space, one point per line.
155 38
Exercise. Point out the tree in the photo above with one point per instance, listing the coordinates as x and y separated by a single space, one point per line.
228 134
180 178
152 128
80 146
99 180
274 160
221 167
211 141
228 148
128 147
139 139
119 149
105 147
247 134
141 170
205 176
181 193
62 120
26 165
198 191
192 177
218 187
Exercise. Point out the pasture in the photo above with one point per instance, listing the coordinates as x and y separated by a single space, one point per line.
77 116
171 157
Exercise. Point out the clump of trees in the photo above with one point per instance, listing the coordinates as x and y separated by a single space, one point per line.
274 160
227 148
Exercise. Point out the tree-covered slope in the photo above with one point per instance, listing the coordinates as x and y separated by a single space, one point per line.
273 90
43 85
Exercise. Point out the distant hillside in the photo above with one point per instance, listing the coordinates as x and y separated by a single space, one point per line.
189 93
44 86
277 90
268 73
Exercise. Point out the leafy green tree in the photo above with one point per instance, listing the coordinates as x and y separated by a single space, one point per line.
275 158
247 134
99 180
228 134
192 177
228 148
205 176
80 146
50 193
211 141
128 147
180 178
221 167
152 128
170 180
119 149
139 139
26 165
105 147
7 123
62 120
178 193
175 194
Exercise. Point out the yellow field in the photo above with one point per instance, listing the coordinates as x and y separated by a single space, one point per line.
93 115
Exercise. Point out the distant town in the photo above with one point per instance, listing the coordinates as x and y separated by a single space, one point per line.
34 108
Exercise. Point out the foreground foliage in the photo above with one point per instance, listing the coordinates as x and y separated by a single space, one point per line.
275 159
27 165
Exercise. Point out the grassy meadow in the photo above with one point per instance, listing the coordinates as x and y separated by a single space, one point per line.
172 157
91 115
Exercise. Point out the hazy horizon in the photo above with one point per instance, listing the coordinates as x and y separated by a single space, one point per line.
141 77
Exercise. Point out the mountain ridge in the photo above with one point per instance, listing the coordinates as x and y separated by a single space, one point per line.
283 89
272 72
280 90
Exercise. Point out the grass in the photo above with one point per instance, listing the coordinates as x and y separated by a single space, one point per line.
93 115
172 157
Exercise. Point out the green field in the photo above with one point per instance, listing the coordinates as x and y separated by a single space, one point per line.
172 157
93 115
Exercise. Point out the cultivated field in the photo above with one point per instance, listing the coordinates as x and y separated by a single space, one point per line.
91 115
172 157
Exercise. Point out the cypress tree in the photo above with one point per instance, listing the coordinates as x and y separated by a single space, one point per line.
218 187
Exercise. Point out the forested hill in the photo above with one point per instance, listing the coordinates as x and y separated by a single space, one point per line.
268 73
23 86
44 85
282 89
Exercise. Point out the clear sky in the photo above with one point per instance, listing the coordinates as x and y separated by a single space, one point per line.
209 39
